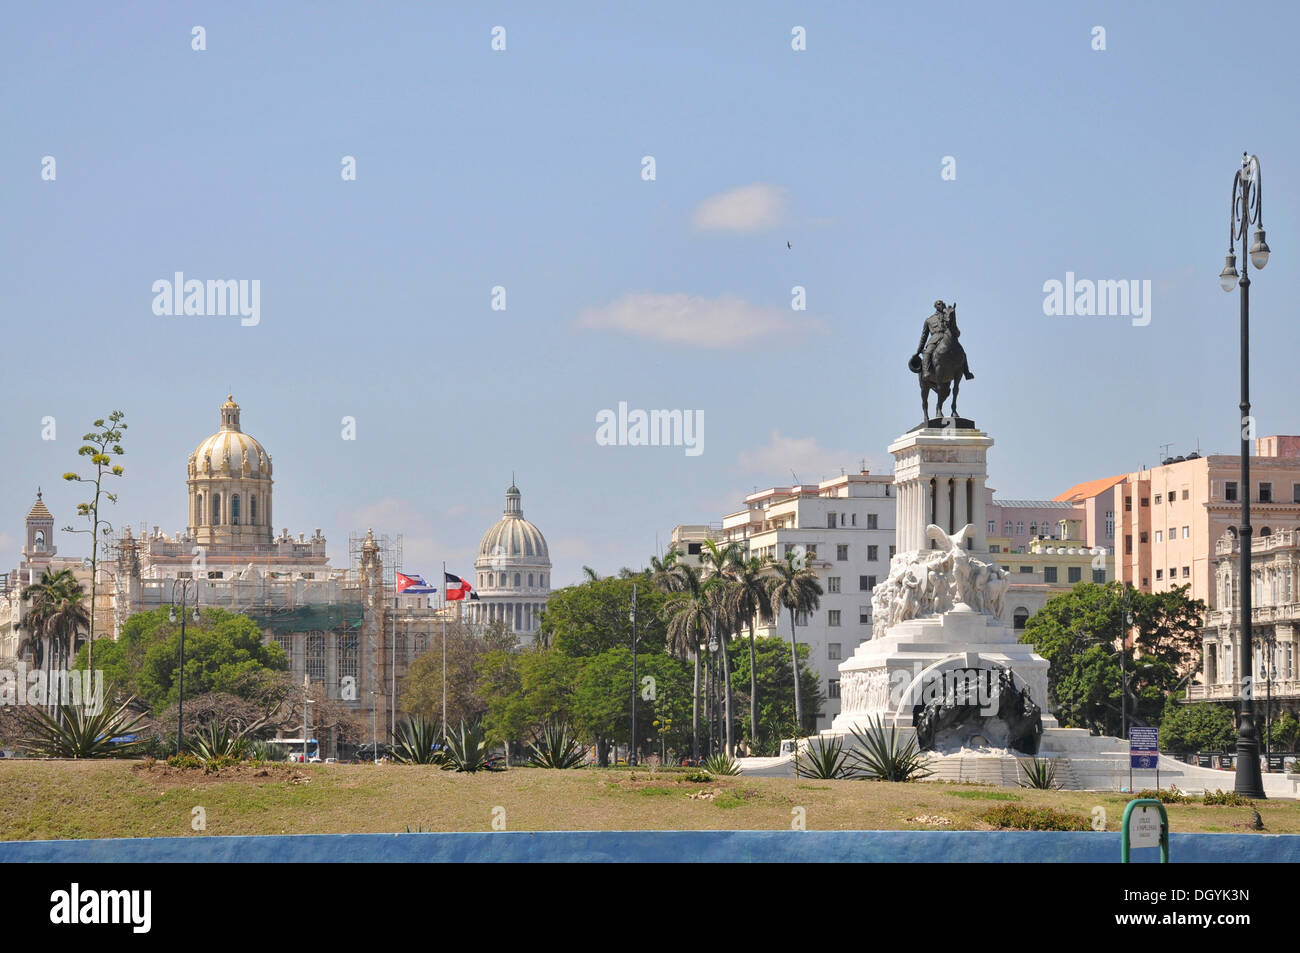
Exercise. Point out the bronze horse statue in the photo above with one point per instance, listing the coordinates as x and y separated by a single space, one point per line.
941 365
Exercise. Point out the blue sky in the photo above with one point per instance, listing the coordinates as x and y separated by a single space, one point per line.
523 168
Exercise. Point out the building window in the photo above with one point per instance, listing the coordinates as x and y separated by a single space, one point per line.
1159 498
833 617
1110 523
891 552
1295 492
833 688
842 552
873 553
1006 528
1145 501
203 515
316 656
1266 492
234 510
1186 495
1128 504
216 509
1074 574
855 519
530 580
1099 576
1033 529
252 510
1128 545
1142 537
995 548
1266 531
1160 536
1230 491
1049 574
811 550
833 651
830 521
1020 527
1026 570
1160 574
1173 533
1187 572
993 527
864 615
1020 617
833 584
517 582
1187 532
349 653
801 617
871 521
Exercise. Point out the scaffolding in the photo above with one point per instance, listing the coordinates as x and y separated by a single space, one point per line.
380 638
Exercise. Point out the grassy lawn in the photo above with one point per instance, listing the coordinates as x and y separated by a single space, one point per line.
64 799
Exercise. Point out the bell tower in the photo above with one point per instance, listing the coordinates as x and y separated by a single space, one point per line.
39 547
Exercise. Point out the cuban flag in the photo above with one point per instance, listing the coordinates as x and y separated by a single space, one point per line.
458 588
413 586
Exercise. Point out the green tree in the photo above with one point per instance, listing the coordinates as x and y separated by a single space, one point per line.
751 600
688 614
1201 727
57 613
1083 633
590 618
224 652
720 564
101 445
775 679
796 589
1284 733
523 689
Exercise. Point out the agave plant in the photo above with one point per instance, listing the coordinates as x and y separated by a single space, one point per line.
825 759
555 747
78 733
418 742
215 742
878 754
721 764
467 749
1038 773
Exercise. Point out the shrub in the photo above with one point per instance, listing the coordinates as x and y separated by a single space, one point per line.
265 751
721 765
555 747
826 760
1022 818
1039 773
467 749
77 733
215 743
1228 798
417 742
879 755
697 777
1165 796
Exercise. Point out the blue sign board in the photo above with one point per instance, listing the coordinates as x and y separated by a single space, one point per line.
1144 748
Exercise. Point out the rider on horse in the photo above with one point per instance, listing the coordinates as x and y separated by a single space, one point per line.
937 328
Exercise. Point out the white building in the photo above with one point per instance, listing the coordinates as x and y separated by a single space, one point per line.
514 572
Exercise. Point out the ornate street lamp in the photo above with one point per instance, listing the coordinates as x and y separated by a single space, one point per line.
1247 210
180 689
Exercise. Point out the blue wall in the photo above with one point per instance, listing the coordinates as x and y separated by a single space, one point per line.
660 846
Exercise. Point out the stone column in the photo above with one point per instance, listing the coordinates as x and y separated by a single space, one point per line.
943 502
960 517
978 517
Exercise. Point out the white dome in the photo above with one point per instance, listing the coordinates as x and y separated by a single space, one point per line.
513 537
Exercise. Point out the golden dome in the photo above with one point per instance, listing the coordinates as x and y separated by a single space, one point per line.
230 451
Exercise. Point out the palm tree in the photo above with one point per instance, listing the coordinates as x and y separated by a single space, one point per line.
798 591
662 572
687 615
56 615
719 564
751 598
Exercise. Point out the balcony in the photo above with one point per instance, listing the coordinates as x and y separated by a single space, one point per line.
1231 691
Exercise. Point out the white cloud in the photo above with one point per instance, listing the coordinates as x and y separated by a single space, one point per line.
750 208
773 462
724 321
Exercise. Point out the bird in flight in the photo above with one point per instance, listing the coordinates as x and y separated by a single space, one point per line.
787 245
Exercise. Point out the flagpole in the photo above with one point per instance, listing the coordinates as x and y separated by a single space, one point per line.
392 668
444 645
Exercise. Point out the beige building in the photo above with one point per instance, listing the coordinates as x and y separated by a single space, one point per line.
1275 623
1169 518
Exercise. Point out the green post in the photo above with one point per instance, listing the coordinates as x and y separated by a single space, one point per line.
1164 828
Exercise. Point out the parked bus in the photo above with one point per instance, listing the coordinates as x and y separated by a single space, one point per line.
294 748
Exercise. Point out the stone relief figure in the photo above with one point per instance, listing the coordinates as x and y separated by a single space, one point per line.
207 462
243 463
934 581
